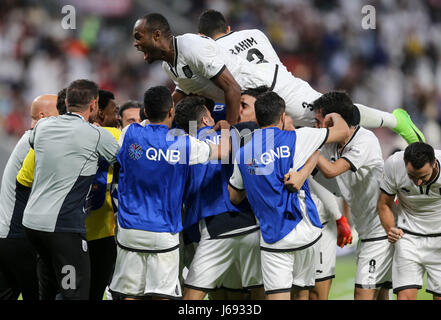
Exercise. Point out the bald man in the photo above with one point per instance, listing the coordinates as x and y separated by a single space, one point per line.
43 106
17 258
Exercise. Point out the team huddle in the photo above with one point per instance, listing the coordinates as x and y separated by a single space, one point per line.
168 203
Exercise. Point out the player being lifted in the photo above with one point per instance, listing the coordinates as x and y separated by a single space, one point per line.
199 65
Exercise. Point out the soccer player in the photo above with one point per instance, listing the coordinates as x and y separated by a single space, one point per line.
289 221
255 47
66 155
229 234
352 168
107 115
154 169
100 223
412 176
17 257
130 113
327 208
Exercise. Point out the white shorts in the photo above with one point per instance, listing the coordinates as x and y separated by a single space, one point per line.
327 252
298 94
284 270
216 259
374 264
139 274
413 256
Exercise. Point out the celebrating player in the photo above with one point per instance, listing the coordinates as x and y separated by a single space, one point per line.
412 176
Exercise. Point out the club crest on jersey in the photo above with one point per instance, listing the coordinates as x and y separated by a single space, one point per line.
252 166
187 71
135 151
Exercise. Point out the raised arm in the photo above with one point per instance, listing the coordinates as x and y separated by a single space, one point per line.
332 169
294 180
231 89
338 128
177 96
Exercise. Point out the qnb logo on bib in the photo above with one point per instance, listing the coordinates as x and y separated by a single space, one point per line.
264 164
171 156
271 155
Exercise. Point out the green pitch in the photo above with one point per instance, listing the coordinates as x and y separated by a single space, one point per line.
343 285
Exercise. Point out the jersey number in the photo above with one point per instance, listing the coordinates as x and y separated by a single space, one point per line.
372 264
255 53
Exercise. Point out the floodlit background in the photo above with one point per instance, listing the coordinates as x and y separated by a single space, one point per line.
321 41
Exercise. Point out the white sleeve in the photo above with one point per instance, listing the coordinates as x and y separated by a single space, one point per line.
121 137
327 198
308 140
236 180
205 57
199 151
388 183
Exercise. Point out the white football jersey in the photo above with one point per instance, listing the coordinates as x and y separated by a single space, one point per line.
359 186
199 60
252 45
419 208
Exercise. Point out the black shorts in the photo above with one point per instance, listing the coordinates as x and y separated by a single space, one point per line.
63 264
102 254
18 270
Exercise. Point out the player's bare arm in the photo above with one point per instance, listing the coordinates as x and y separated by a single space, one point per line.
338 128
177 96
385 203
222 150
236 196
294 180
332 169
231 89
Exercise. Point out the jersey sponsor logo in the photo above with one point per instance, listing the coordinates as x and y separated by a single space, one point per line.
243 45
135 151
266 159
271 155
213 140
187 71
171 156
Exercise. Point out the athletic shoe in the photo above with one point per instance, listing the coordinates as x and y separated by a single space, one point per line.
406 128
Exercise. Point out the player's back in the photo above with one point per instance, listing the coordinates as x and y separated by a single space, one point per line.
251 44
199 59
154 168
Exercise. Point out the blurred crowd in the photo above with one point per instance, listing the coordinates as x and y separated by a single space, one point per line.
397 64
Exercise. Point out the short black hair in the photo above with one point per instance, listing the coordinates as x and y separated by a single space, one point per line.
212 22
129 105
61 101
104 98
157 103
255 92
191 108
80 93
338 102
156 21
142 115
418 154
269 106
